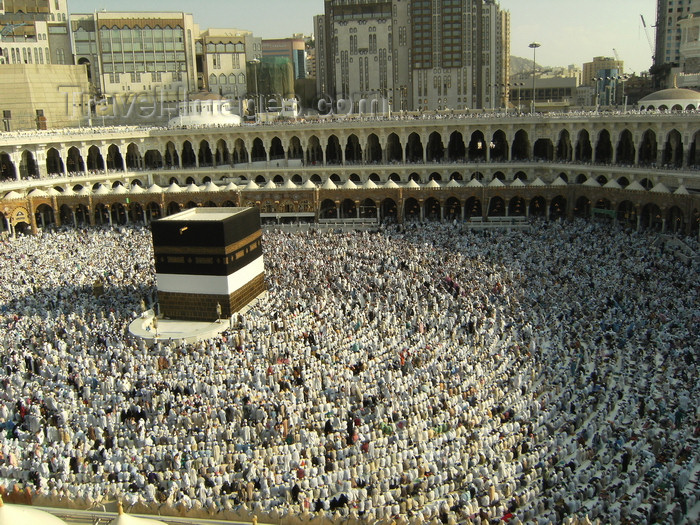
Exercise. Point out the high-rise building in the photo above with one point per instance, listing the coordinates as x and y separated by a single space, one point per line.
138 52
667 59
293 49
418 54
34 32
222 59
690 48
39 85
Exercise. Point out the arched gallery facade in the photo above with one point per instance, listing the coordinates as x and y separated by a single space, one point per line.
639 169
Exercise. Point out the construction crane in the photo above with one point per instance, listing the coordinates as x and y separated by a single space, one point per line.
646 31
10 29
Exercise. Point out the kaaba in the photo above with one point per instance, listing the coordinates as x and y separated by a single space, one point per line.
209 262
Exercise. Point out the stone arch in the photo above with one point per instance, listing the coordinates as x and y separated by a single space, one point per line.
472 208
54 163
27 166
584 150
82 215
189 158
65 213
543 150
564 150
537 207
603 148
353 150
258 152
154 211
44 216
456 176
153 159
498 146
334 153
368 209
316 179
74 161
374 152
627 214
204 155
119 213
521 146
314 152
673 150
172 158
240 152
625 148
582 207
115 161
276 149
557 208
477 147
296 179
95 160
7 167
348 209
173 208
517 207
389 210
435 150
497 207
394 149
675 220
435 176
648 148
136 213
295 151
411 209
694 151
651 217
222 156
453 209
456 149
328 209
414 148
133 157
102 214
431 209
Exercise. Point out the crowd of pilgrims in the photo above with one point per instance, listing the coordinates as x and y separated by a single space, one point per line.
415 374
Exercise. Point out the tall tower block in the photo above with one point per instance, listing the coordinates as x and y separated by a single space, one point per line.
208 258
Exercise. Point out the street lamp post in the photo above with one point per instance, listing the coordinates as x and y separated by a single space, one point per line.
255 63
534 46
597 91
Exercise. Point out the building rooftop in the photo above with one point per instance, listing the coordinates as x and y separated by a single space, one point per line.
205 214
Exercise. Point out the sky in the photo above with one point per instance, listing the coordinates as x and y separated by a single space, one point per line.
570 31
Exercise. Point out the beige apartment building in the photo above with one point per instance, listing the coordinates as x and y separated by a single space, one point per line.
137 52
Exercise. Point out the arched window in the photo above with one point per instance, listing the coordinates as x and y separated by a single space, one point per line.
222 79
212 79
241 78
